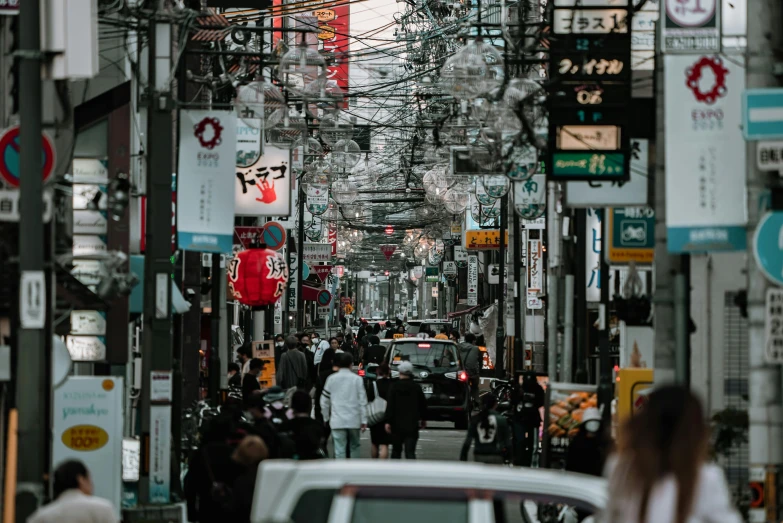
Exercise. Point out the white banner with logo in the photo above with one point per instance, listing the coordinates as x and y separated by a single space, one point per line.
207 148
535 274
705 153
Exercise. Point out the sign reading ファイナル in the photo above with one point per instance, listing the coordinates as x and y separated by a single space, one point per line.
690 26
207 149
631 233
535 274
705 196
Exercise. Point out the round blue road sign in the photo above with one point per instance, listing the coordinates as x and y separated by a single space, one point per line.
305 271
274 236
324 297
768 246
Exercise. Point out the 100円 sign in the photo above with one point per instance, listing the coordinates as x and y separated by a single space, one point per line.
590 68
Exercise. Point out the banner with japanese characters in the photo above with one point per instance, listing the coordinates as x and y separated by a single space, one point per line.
207 151
263 188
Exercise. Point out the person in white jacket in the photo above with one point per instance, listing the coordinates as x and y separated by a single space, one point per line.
660 473
74 502
344 407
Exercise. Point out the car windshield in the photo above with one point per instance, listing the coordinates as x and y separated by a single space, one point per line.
426 354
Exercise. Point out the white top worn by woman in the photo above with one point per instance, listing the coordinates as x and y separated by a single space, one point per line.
712 501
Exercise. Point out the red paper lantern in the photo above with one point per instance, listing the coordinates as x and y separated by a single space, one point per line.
389 230
257 277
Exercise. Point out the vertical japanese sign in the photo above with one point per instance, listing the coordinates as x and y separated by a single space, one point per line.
332 237
264 187
207 149
87 425
334 29
705 154
593 255
690 26
535 274
590 60
472 280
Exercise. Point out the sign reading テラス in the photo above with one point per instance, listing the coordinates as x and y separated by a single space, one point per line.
205 214
705 154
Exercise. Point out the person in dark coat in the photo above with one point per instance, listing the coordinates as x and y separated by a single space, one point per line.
250 380
378 436
375 352
588 449
309 435
527 399
249 454
234 376
293 371
406 411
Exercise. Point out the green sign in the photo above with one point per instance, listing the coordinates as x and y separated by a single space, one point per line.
431 274
588 164
632 234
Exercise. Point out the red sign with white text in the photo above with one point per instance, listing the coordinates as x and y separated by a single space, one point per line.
339 45
388 251
333 238
322 271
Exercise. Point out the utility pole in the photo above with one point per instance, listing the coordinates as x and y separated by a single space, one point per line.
500 351
579 264
32 372
300 260
765 18
157 342
553 289
666 265
604 376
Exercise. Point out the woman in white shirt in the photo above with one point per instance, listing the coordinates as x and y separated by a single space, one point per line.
660 473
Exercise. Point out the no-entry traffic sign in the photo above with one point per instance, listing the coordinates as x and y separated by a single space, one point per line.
9 156
324 298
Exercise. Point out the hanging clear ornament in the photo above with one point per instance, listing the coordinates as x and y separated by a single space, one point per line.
482 196
522 163
344 191
346 154
287 133
496 185
456 201
303 70
335 128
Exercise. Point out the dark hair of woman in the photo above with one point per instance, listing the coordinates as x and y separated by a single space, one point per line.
488 403
669 437
383 370
66 476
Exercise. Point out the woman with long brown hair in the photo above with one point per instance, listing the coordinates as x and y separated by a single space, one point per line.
660 473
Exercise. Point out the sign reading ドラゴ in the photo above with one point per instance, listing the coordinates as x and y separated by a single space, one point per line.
691 26
264 188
